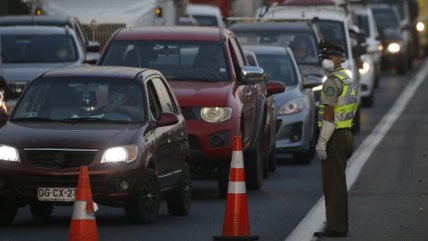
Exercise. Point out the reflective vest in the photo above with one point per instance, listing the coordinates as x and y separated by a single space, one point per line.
347 102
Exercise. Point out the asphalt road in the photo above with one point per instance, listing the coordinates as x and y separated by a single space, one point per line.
274 211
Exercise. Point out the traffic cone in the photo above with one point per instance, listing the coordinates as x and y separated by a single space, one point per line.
83 226
236 225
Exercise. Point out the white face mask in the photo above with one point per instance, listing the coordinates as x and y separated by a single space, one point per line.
327 64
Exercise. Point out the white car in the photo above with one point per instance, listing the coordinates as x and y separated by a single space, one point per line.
334 23
205 14
370 73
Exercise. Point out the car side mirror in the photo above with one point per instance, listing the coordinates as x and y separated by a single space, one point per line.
311 81
167 119
92 58
252 75
275 87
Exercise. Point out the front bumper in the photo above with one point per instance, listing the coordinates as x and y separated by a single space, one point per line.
294 132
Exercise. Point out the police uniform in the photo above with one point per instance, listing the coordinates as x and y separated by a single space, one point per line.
339 92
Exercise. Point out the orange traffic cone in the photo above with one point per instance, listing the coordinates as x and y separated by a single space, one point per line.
83 226
236 226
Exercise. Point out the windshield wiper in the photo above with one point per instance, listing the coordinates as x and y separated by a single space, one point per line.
41 119
92 119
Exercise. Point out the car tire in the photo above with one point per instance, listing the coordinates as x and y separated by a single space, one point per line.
8 213
223 171
254 168
146 207
179 200
356 123
41 210
369 100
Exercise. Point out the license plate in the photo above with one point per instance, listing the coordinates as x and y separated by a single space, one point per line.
63 194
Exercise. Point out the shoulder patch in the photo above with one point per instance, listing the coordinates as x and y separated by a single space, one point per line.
330 91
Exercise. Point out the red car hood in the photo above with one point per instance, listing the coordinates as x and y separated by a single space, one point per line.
191 93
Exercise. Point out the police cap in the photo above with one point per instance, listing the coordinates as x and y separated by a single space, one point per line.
328 49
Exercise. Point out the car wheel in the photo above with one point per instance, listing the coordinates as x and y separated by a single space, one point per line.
223 178
41 210
254 168
146 207
8 213
356 123
179 200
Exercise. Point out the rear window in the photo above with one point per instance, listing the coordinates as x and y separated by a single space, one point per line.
385 18
177 60
304 45
38 48
278 68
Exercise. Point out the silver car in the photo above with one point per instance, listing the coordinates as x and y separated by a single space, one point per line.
295 108
28 51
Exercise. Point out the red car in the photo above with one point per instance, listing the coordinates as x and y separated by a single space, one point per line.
221 97
123 123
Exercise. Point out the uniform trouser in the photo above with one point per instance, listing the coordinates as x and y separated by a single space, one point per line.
339 150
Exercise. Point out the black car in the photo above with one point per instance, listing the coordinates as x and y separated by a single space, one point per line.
395 51
123 123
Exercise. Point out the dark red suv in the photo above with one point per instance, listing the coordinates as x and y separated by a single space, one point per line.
221 97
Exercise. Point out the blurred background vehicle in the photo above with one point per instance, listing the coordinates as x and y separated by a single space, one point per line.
371 60
395 52
92 48
333 19
422 26
301 36
101 18
28 51
205 14
295 108
70 117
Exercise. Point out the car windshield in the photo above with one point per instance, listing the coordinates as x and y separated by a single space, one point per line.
385 18
177 60
278 67
304 45
363 23
82 99
334 31
38 48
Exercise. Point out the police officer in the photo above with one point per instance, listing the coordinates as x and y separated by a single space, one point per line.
338 105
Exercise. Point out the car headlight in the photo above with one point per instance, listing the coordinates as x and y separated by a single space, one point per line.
393 48
216 114
420 26
8 153
365 68
126 153
291 107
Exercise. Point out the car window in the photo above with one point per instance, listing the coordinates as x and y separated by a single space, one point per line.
64 98
38 48
177 60
385 18
363 23
166 102
304 45
278 67
154 102
334 31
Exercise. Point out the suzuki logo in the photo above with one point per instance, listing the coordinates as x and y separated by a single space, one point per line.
59 158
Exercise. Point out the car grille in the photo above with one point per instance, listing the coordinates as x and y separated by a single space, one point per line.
188 113
102 32
28 184
59 158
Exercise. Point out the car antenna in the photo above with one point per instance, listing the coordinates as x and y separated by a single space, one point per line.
136 48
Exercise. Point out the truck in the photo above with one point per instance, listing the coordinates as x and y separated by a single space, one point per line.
102 17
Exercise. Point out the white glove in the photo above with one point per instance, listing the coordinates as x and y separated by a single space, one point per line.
327 130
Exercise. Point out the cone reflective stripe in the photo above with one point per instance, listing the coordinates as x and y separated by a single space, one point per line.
236 225
83 225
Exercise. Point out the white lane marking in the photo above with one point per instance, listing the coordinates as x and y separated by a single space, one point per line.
313 221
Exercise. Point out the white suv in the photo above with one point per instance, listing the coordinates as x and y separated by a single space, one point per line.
334 23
